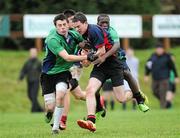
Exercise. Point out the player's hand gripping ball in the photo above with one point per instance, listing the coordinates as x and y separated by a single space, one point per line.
85 63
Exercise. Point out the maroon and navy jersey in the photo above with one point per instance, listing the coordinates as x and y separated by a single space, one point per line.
98 37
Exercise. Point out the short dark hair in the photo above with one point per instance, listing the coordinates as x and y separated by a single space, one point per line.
69 13
61 17
159 45
103 18
79 16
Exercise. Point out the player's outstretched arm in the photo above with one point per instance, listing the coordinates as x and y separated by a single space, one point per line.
71 58
101 51
113 50
102 58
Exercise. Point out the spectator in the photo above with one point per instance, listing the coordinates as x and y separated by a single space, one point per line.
159 65
32 69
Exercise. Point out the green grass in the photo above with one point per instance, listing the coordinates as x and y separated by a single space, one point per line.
129 124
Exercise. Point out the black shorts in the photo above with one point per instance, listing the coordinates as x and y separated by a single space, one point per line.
112 69
48 82
107 86
172 87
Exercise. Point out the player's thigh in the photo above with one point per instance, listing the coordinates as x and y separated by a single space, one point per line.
119 93
97 78
93 85
67 98
62 84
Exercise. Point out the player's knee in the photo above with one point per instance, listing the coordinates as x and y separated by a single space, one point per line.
59 98
50 107
61 87
49 100
82 97
77 96
78 93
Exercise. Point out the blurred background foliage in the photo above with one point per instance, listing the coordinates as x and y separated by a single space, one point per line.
141 7
88 6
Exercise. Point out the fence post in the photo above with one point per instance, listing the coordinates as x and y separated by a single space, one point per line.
166 43
125 43
38 44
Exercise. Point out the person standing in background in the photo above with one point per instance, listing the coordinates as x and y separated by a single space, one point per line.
159 65
32 70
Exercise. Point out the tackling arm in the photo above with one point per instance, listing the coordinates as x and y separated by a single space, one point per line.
71 58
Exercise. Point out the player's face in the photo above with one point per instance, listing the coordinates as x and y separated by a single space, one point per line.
159 51
33 52
62 27
71 23
104 25
81 27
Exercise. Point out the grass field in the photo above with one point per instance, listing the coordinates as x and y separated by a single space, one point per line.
16 121
117 124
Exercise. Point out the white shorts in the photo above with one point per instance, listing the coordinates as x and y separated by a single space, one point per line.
126 86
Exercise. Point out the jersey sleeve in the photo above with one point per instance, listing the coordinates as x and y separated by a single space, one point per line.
54 46
114 35
77 36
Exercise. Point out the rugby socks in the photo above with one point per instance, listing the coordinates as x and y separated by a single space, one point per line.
134 105
168 104
98 102
49 114
105 103
124 106
112 104
138 97
64 119
57 115
91 118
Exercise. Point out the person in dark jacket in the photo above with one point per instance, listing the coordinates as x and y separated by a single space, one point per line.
159 65
31 70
